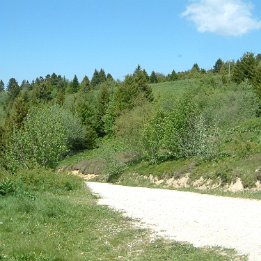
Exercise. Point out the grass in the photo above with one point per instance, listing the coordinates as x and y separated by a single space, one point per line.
51 216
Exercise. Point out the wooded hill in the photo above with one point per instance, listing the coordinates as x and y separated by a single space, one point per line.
204 116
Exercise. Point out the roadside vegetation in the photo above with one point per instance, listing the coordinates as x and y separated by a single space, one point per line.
52 216
143 130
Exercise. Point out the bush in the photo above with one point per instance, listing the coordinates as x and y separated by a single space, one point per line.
47 136
6 187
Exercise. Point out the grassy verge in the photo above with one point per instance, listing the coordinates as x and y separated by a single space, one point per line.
50 216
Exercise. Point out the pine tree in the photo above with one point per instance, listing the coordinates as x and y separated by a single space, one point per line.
18 113
13 89
245 68
153 77
137 70
95 78
173 76
146 75
109 77
42 92
2 86
25 85
102 76
85 84
195 68
218 65
75 84
258 57
102 104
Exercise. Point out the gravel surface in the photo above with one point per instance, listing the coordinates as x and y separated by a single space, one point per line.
202 220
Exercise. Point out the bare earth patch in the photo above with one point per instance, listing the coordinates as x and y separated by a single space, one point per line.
202 220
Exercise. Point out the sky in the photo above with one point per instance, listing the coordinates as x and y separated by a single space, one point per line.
39 37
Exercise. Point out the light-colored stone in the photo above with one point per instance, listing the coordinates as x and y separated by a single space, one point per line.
258 185
236 187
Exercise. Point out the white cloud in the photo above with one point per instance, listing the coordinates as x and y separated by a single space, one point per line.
224 17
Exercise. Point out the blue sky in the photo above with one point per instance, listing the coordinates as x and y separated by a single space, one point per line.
76 36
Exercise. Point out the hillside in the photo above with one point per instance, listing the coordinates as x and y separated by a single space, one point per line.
230 145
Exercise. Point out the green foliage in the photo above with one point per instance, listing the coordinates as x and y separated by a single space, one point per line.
98 77
153 77
130 124
244 68
18 112
6 187
67 224
218 66
85 84
13 89
257 81
47 135
74 86
173 76
2 86
42 92
134 88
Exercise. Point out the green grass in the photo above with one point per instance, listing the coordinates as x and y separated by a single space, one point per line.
172 89
53 216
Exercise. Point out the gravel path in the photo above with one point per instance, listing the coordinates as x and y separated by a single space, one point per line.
202 220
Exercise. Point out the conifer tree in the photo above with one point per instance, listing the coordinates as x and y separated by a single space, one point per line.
146 75
75 84
102 76
25 85
109 77
153 77
218 65
2 86
13 89
173 76
245 68
95 78
85 84
18 112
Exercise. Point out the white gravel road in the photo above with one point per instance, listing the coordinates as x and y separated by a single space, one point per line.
202 220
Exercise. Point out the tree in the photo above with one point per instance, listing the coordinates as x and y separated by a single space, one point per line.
195 68
146 75
25 85
95 78
153 77
257 81
109 77
245 68
173 76
47 135
137 70
134 89
218 65
13 89
258 57
75 84
85 84
2 86
42 92
18 113
102 76
102 105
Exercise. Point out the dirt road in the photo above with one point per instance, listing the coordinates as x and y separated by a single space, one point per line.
202 220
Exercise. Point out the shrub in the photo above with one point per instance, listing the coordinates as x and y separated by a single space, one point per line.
6 187
48 134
